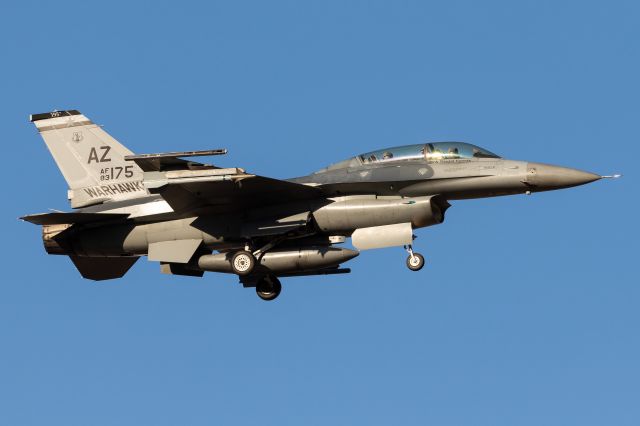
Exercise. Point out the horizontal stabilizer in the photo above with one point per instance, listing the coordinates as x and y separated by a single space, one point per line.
103 268
57 218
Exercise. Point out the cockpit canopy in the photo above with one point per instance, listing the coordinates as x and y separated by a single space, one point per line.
429 152
436 151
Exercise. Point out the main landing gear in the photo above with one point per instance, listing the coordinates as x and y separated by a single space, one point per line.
415 261
268 287
243 262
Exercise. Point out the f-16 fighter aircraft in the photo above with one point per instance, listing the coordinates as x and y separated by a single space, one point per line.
194 218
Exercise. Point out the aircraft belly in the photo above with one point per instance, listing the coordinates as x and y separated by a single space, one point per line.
130 238
169 240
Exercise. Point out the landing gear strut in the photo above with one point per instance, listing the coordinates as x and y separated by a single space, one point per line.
415 261
268 287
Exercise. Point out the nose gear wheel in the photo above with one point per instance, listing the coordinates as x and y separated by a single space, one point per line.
415 261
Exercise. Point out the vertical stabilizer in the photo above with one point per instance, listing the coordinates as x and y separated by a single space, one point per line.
91 161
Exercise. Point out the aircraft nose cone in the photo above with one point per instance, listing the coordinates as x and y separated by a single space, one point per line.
546 176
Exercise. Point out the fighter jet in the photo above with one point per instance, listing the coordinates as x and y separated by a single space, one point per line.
193 217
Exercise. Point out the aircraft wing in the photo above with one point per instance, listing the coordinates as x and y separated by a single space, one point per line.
59 218
230 187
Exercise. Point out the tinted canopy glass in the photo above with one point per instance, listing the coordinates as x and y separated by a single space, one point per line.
431 152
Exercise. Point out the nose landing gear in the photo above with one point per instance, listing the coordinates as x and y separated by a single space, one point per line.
415 261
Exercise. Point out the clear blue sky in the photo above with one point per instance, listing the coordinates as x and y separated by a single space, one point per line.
528 311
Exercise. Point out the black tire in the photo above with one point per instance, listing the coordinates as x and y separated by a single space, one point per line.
268 288
243 262
416 262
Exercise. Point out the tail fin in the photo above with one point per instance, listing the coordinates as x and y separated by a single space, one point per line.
91 161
